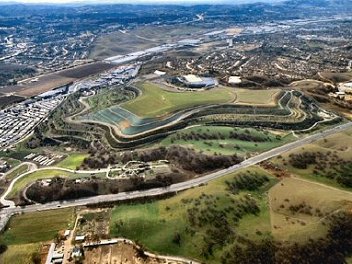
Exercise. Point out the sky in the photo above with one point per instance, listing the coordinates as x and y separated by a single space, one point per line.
141 1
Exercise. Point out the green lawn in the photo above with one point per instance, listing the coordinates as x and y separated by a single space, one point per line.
155 224
18 171
19 254
43 174
154 101
46 174
72 161
106 98
37 226
227 145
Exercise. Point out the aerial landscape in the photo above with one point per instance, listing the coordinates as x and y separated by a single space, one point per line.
176 132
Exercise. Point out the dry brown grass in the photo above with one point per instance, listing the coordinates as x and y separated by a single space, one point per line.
51 81
300 226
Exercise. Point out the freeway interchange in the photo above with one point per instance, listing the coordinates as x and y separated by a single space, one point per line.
6 213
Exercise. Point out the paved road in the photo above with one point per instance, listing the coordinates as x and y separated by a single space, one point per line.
179 186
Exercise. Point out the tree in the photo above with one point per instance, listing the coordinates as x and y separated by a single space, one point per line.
3 248
36 258
177 238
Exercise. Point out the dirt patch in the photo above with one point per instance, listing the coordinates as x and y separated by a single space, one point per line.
94 224
119 253
51 81
124 124
44 249
7 100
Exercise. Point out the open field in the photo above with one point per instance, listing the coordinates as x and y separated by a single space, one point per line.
51 81
307 84
140 38
32 177
218 139
337 76
155 224
161 102
72 161
299 208
45 83
19 254
257 97
18 171
119 253
106 98
44 174
37 226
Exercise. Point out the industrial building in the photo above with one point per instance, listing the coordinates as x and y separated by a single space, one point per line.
194 81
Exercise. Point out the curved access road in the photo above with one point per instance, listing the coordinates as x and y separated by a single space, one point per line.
179 186
32 169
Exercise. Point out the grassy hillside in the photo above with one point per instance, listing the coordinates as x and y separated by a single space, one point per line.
154 101
327 161
184 224
37 226
227 140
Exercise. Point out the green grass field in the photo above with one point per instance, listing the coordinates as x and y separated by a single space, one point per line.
45 174
257 97
227 145
37 226
155 101
72 161
19 254
155 224
18 171
106 98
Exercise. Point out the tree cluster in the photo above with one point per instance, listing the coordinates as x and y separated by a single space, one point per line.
207 215
250 182
333 249
246 136
184 158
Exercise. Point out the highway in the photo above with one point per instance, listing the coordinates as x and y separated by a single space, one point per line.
178 186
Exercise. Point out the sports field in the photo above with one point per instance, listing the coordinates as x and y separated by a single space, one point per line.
156 102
